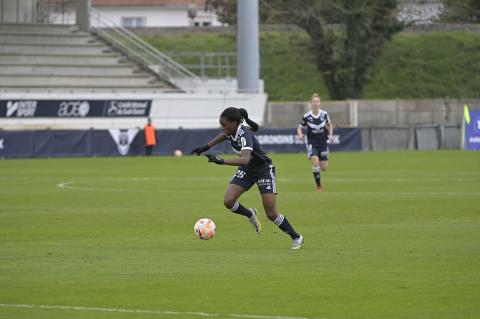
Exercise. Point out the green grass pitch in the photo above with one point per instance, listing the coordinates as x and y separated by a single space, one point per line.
395 235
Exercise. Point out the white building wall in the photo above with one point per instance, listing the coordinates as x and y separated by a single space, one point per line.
154 16
420 12
66 17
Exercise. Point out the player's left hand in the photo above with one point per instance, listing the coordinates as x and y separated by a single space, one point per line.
215 159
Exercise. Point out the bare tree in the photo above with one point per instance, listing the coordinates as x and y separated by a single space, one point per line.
345 54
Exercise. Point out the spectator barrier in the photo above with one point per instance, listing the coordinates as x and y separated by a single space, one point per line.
115 142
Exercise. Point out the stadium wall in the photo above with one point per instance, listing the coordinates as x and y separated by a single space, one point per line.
374 113
384 125
422 137
130 141
116 142
77 111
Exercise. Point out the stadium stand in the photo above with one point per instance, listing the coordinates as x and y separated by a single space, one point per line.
60 58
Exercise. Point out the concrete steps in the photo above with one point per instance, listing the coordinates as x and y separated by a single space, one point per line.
34 80
124 69
47 48
57 57
54 39
39 28
89 89
61 59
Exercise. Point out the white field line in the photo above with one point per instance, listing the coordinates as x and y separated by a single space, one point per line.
391 180
381 194
70 185
155 312
289 179
74 185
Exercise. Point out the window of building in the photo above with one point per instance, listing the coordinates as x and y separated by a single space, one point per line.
133 22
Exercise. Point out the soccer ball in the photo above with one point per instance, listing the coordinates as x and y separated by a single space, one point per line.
178 153
204 228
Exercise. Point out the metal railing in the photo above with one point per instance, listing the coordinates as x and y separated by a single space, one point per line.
208 64
142 52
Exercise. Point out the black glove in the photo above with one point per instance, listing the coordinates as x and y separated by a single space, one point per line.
215 159
200 149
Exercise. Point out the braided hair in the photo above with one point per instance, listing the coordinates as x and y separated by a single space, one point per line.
234 114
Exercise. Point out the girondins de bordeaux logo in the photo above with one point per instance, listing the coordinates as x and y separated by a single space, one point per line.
123 138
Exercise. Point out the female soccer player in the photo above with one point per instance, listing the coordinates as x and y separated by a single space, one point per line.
319 130
254 167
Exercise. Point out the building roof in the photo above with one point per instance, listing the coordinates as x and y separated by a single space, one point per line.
129 3
146 3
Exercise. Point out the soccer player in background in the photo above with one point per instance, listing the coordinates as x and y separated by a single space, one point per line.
319 130
255 167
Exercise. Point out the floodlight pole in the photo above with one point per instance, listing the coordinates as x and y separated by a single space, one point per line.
248 53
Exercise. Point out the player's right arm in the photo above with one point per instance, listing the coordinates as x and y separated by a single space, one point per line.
300 132
301 127
244 159
218 139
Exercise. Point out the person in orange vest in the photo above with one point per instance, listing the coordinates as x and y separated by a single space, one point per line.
150 141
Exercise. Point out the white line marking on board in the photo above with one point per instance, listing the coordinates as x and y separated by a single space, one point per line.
157 312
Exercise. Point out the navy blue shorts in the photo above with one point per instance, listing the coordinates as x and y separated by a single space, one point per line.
265 179
321 152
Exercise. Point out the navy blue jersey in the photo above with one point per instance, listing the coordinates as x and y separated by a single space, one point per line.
245 139
317 134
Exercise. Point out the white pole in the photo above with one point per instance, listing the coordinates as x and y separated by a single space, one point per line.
248 62
462 134
83 14
353 106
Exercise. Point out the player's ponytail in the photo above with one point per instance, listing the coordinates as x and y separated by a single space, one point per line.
254 126
239 115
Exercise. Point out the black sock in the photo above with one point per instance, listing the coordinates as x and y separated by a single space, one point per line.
284 225
241 210
316 174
